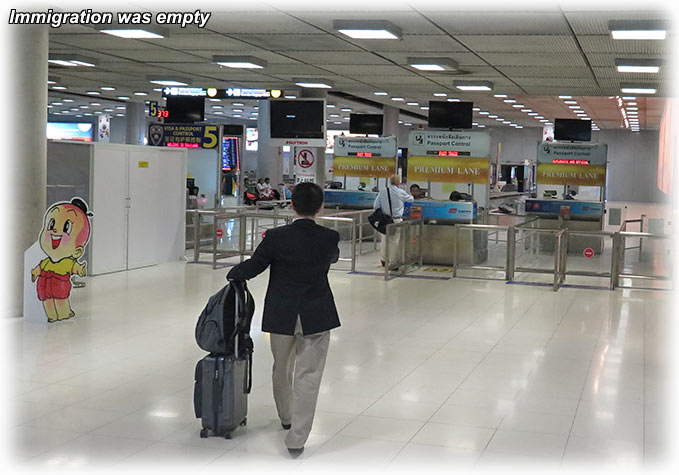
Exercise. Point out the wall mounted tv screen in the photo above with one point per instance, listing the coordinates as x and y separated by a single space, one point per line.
573 129
81 131
296 119
185 109
450 115
366 124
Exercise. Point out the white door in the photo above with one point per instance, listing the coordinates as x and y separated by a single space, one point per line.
108 242
144 204
172 210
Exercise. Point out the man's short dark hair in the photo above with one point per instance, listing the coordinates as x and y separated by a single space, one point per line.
307 198
414 185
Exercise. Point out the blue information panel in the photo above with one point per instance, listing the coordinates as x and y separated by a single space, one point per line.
590 209
443 210
354 199
230 153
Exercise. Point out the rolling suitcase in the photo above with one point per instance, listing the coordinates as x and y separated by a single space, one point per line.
223 381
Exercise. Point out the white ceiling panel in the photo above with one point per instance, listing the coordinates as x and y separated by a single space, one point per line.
606 44
560 82
204 40
463 59
440 44
262 22
546 72
596 22
294 42
534 59
337 57
493 23
520 43
411 23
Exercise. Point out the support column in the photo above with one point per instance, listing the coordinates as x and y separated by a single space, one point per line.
390 119
269 157
26 164
135 123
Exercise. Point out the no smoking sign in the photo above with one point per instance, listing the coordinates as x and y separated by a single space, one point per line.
305 158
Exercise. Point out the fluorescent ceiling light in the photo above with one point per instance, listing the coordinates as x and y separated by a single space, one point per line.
368 29
107 88
397 99
133 34
492 117
638 29
484 112
237 110
453 99
565 97
412 103
290 96
432 64
381 93
526 110
71 60
67 100
329 106
570 102
506 122
124 98
499 95
638 65
574 107
544 120
94 93
59 88
632 108
473 85
240 62
95 103
631 104
141 93
345 109
476 109
518 106
637 88
628 98
314 83
509 101
533 113
168 81
424 108
440 94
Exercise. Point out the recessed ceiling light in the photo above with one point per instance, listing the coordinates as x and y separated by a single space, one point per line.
124 98
506 122
484 112
71 60
67 100
412 103
637 88
330 106
368 29
217 106
399 99
492 117
240 62
651 66
236 110
565 97
574 107
440 94
59 88
141 93
168 81
236 115
73 108
518 106
238 104
381 93
107 88
345 109
141 32
632 108
509 101
473 85
95 103
499 95
84 107
570 102
424 108
544 120
631 103
108 110
453 99
533 113
333 115
500 119
432 64
638 29
57 103
290 96
314 83
121 107
526 110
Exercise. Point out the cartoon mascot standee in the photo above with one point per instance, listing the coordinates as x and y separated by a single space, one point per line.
64 235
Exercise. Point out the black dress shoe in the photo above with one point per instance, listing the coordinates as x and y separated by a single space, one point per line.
286 426
296 452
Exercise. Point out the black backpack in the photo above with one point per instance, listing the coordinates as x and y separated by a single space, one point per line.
219 326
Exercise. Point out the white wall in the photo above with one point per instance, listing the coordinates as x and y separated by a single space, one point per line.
202 165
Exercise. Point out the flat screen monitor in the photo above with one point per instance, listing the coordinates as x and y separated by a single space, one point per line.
230 153
573 129
366 124
296 119
450 115
81 131
185 109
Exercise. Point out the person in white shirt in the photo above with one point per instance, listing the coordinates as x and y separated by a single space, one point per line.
398 197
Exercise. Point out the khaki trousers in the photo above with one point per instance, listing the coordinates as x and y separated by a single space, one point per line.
394 242
298 363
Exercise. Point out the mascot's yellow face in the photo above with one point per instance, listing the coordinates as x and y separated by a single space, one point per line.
60 231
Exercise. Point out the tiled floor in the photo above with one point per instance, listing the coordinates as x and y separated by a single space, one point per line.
450 374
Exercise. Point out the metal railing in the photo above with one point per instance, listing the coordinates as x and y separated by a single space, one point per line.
402 247
640 274
364 231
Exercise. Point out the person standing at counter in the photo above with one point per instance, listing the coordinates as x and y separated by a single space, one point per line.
397 196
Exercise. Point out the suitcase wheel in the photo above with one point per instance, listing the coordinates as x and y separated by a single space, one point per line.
203 433
227 435
245 422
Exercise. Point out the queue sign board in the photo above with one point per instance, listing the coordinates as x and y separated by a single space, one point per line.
448 156
183 135
364 156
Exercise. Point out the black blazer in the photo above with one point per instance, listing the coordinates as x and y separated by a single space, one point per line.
300 255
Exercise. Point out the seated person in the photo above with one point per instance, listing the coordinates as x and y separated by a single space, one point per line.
416 191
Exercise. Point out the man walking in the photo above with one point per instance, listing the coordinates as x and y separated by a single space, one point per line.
299 309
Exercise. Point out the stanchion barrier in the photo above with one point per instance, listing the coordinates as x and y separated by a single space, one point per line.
402 247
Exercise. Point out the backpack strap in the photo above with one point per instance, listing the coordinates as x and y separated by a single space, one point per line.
391 212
